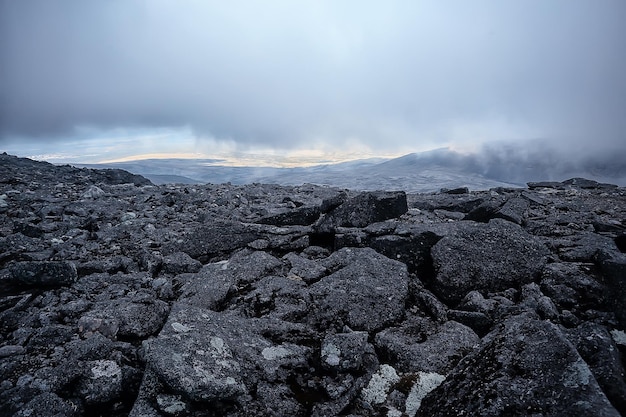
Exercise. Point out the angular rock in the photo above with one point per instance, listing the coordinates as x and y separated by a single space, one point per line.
364 209
46 274
488 257
212 284
421 345
613 266
516 371
132 319
596 346
180 263
345 352
514 210
211 240
299 216
366 291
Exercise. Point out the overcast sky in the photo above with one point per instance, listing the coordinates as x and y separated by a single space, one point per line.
100 80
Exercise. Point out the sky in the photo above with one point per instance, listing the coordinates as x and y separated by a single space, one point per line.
93 81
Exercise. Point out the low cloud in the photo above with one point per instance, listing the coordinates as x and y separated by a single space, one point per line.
278 74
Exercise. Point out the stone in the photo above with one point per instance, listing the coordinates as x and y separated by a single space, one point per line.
212 284
421 345
345 351
46 274
365 291
516 371
488 257
596 346
102 384
364 209
180 263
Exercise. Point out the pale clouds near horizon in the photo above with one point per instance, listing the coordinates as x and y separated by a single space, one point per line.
381 77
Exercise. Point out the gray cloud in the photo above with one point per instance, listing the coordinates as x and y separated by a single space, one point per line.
289 74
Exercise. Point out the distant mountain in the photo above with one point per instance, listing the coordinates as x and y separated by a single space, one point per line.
493 166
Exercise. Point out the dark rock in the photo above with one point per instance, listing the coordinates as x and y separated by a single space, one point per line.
134 319
613 266
364 209
516 371
489 257
47 274
460 190
475 320
585 183
545 184
306 269
213 240
298 216
422 345
345 352
595 345
214 282
573 286
366 291
102 384
48 404
180 263
486 211
514 210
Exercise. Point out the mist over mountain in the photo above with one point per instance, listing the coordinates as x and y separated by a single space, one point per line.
494 165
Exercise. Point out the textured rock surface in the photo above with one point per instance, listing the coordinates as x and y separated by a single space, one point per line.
118 297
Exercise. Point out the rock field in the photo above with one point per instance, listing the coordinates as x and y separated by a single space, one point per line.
119 297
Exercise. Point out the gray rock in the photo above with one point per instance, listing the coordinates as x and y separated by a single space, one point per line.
487 257
180 263
217 357
366 291
364 209
573 286
516 371
103 382
345 352
48 404
422 345
212 284
307 269
49 273
214 239
514 210
596 346
614 267
133 319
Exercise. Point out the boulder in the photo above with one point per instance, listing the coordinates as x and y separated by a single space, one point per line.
365 291
42 274
364 209
212 284
486 257
516 371
422 345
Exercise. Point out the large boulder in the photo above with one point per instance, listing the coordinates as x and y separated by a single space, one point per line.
486 257
422 345
366 291
524 367
364 209
42 274
212 284
214 239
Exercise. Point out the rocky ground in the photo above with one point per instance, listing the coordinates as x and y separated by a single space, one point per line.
119 297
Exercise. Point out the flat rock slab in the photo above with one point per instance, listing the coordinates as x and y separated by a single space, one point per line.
524 367
486 257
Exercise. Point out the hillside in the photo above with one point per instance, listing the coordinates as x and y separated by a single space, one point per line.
120 297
